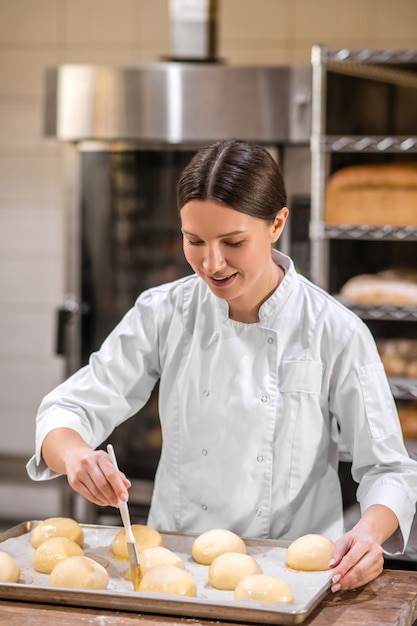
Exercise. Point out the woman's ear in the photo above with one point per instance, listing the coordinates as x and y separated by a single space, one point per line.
279 223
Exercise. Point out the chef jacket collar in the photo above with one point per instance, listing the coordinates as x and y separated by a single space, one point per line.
277 300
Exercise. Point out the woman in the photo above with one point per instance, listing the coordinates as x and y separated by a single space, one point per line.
259 371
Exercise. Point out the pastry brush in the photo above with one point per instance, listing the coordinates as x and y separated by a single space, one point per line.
135 572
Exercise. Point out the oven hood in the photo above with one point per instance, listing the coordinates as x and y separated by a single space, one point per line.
178 103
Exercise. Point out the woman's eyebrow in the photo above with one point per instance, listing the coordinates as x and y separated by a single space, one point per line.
233 232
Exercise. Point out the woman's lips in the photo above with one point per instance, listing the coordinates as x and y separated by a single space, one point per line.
222 281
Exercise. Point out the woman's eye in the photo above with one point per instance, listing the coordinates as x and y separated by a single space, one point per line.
230 244
234 244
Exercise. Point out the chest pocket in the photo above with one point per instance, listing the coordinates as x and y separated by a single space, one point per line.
301 377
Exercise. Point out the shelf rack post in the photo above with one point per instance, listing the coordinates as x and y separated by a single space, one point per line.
318 246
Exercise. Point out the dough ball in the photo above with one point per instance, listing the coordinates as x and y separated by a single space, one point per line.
9 569
158 555
79 572
264 589
209 545
310 553
57 527
228 569
168 579
145 537
52 551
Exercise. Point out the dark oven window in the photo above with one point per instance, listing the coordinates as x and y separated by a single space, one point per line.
130 240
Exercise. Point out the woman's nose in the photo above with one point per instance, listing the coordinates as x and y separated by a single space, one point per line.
213 260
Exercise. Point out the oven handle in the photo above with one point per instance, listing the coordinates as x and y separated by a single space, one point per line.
65 316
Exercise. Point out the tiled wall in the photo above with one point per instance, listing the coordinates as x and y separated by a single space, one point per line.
38 33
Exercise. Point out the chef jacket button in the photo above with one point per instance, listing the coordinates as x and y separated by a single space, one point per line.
204 507
204 452
264 398
215 335
258 513
270 340
260 458
206 393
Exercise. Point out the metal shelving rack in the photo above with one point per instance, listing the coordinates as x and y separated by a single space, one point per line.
389 66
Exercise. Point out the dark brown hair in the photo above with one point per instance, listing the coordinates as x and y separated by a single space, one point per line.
242 176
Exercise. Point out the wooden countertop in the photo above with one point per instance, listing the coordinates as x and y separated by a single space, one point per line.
390 599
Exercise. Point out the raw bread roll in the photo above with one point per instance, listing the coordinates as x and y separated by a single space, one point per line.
229 568
79 572
373 194
310 553
52 551
57 527
210 544
145 537
168 579
158 555
397 286
9 569
264 589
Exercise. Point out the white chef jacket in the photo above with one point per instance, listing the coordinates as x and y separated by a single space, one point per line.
250 413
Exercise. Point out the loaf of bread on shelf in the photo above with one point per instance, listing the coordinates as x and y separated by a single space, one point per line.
408 419
399 356
395 286
374 194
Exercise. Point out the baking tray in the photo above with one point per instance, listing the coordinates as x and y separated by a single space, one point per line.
308 587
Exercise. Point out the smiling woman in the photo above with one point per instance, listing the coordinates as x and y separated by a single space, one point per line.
231 252
228 227
258 372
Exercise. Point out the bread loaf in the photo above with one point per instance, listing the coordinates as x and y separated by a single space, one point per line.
396 286
408 419
373 194
399 356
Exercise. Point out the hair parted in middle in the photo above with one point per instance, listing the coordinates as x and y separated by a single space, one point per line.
242 176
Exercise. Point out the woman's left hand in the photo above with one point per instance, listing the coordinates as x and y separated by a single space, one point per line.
358 556
357 559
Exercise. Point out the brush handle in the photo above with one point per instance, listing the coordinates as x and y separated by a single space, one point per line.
123 508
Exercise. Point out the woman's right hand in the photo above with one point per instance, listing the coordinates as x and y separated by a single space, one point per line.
90 473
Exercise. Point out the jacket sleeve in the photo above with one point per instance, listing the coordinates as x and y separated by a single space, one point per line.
363 404
115 384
